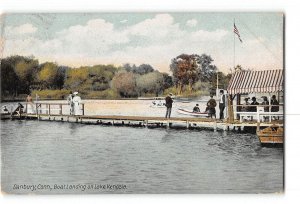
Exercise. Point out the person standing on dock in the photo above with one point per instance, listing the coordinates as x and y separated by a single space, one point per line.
77 102
70 102
222 104
211 104
29 104
169 102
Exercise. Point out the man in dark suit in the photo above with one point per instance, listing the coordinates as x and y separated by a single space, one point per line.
169 102
222 104
211 104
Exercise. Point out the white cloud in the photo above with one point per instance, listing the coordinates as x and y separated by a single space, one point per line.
96 37
154 41
161 26
20 30
192 22
212 36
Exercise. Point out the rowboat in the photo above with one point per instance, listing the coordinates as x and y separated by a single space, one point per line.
271 135
191 113
158 102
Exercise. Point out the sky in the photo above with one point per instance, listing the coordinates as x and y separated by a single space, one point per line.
81 39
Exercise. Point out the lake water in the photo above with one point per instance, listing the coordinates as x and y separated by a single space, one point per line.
41 157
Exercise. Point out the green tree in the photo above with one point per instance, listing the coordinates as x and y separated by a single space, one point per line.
150 83
188 69
17 74
76 78
9 78
168 81
48 75
100 76
207 70
185 71
125 84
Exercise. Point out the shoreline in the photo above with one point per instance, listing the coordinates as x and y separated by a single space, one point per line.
138 98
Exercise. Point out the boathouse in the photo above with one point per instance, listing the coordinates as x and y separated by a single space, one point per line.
255 83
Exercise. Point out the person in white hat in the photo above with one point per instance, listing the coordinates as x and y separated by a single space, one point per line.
77 103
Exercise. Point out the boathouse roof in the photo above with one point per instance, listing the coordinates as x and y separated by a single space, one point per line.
256 82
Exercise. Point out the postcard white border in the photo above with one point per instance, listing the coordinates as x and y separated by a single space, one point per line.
291 10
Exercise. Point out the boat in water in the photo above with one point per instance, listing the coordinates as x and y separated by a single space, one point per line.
9 111
158 102
191 113
271 135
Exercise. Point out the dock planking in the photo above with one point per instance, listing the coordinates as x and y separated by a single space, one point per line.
149 121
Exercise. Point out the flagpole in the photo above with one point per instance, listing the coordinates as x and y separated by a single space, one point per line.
233 46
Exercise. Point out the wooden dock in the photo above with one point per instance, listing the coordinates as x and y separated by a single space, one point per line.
144 121
54 112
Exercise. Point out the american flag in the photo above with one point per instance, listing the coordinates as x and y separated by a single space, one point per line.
236 31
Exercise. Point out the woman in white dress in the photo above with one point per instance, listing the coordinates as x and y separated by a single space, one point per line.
77 104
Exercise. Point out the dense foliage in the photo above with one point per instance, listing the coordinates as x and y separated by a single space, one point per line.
23 75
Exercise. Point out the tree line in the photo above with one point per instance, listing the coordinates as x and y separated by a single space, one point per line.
24 75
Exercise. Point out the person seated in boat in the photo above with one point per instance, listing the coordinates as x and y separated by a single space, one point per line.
5 110
211 104
196 109
160 103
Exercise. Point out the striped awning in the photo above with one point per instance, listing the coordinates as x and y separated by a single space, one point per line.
256 82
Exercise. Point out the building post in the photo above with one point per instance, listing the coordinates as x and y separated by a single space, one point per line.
230 109
257 115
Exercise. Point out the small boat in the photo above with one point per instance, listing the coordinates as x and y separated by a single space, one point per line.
5 114
14 111
271 135
191 113
158 102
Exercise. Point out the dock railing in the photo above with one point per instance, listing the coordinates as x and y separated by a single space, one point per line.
261 115
55 108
